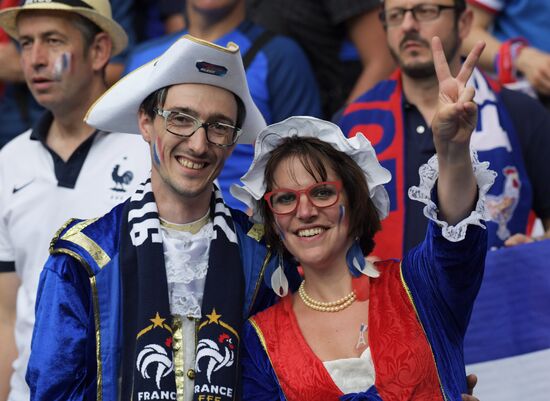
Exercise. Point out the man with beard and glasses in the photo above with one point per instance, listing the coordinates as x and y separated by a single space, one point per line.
395 116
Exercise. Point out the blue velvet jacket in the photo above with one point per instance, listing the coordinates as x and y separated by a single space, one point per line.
77 339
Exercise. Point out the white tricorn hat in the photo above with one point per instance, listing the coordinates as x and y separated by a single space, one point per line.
97 11
188 60
358 148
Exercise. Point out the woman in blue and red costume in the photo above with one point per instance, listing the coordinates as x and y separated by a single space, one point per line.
354 330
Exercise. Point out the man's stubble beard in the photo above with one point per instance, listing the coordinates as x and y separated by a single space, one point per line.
425 70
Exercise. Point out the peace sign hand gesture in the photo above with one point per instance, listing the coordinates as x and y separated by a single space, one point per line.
454 121
456 115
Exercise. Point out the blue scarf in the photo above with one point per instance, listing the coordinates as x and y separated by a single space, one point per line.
147 362
378 114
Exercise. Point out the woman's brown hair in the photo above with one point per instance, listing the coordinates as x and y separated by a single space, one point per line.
317 157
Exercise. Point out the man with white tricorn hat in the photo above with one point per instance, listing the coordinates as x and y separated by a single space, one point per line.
147 301
60 168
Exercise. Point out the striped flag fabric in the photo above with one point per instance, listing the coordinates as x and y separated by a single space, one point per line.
507 344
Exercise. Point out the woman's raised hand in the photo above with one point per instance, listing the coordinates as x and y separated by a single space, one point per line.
456 115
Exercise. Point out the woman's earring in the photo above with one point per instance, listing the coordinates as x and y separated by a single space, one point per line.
279 282
355 259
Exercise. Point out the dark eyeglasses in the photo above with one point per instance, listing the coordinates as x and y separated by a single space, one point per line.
321 194
185 125
420 12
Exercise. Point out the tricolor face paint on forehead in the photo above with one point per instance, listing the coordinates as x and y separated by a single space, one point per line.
61 65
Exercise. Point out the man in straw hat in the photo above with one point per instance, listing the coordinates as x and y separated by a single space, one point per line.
147 302
62 167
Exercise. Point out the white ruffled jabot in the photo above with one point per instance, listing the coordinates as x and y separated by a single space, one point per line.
186 261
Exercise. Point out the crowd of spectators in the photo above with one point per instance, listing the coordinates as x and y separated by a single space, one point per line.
355 62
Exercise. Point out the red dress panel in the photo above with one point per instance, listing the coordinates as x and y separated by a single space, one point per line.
403 360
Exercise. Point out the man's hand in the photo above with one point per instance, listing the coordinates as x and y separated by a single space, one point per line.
518 239
471 381
534 64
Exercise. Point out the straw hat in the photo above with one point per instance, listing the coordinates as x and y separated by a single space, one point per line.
188 60
97 11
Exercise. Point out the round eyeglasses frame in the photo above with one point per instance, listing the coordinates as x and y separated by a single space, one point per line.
307 191
198 124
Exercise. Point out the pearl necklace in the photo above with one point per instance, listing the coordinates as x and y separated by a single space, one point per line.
334 306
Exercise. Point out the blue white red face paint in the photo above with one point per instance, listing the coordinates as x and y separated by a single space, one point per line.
61 65
156 146
342 210
280 230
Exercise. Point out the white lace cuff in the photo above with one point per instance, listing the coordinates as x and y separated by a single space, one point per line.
429 173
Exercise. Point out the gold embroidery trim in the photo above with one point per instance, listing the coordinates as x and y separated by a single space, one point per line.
256 232
259 282
58 233
192 228
76 236
95 299
261 337
95 302
224 325
179 357
231 47
409 294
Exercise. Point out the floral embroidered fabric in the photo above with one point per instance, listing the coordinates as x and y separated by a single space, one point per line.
186 260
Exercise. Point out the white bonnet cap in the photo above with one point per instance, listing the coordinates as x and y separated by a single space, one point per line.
358 148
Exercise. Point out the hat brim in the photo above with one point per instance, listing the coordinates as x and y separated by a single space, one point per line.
8 21
117 109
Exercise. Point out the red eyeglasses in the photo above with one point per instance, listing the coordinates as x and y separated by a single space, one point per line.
321 194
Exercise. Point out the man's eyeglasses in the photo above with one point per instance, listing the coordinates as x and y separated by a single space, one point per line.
185 125
321 194
420 12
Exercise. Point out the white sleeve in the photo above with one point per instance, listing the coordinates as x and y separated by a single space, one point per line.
6 249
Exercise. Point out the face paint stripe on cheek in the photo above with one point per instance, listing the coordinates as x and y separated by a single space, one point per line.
342 210
156 145
280 230
61 65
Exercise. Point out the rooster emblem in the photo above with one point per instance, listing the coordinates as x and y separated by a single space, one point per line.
121 180
217 358
501 207
154 354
